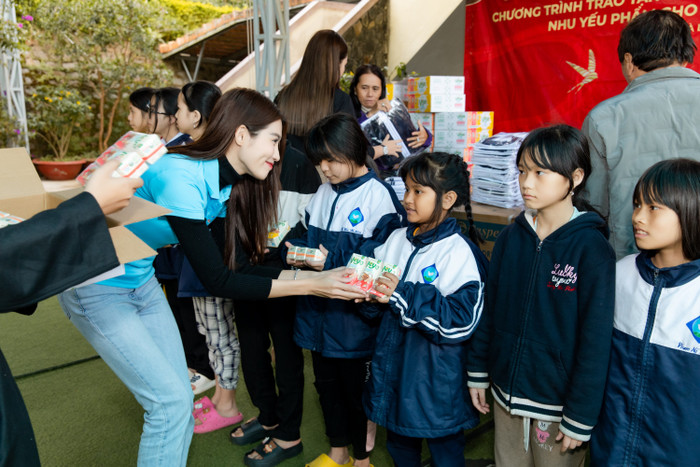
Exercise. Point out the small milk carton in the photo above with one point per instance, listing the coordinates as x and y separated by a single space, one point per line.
373 269
357 263
277 234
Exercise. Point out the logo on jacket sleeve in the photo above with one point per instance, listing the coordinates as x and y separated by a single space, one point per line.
356 217
430 274
694 326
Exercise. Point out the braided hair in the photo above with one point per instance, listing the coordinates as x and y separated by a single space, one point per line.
442 172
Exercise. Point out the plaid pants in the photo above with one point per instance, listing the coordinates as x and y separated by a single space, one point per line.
215 320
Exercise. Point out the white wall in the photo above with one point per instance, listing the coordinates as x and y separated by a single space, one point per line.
412 23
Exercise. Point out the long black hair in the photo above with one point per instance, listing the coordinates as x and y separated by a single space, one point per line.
675 183
442 172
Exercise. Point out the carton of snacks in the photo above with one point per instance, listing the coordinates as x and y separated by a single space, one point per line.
390 268
314 255
357 263
292 254
300 254
130 165
277 234
135 151
373 269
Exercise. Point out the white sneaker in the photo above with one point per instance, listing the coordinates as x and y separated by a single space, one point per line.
201 383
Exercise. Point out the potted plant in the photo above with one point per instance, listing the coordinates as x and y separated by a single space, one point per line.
55 114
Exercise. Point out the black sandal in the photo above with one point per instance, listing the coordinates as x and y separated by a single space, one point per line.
272 457
253 431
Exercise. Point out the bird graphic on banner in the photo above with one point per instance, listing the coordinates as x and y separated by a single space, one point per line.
588 74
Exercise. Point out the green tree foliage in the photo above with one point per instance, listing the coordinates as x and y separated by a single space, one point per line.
102 49
189 15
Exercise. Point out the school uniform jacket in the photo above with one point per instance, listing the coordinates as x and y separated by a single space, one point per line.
651 406
544 342
418 385
350 217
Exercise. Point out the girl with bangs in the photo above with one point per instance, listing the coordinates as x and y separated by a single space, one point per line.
428 312
544 342
649 414
352 213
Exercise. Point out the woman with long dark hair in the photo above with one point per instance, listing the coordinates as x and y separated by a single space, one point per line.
222 183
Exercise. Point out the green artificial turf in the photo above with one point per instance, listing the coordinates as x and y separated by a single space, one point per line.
84 416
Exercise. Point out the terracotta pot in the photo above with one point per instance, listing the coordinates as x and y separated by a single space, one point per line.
59 170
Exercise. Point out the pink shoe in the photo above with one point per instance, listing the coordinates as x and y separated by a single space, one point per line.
201 404
212 421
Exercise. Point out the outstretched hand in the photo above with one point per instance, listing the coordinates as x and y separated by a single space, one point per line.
334 284
111 193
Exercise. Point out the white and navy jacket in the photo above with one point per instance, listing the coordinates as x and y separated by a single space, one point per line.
350 217
651 410
418 385
544 341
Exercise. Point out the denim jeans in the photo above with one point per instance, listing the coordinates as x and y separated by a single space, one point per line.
135 333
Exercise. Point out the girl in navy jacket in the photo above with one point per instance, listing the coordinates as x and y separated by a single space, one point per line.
418 388
544 342
352 213
650 410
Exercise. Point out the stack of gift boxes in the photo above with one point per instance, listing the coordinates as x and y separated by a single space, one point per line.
438 103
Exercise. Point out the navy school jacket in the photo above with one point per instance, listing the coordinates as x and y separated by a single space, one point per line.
544 341
350 217
418 385
650 414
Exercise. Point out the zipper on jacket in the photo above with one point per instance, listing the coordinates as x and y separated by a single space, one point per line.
640 388
320 323
330 219
523 322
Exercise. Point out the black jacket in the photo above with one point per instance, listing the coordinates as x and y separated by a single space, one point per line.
544 340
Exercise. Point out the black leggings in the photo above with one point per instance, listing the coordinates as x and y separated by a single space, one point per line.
256 323
340 383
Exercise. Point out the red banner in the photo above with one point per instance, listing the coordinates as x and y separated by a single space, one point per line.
537 62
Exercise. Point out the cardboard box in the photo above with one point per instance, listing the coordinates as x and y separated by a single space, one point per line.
489 221
436 102
22 194
436 85
396 90
463 120
426 118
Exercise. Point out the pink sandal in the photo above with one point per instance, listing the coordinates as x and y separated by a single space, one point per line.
212 421
200 405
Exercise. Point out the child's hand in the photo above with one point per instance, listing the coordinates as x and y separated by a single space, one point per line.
296 264
566 442
318 265
478 396
386 284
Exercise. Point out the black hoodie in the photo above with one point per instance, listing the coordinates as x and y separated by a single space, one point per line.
544 339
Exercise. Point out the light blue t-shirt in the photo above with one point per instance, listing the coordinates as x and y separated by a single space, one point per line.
190 189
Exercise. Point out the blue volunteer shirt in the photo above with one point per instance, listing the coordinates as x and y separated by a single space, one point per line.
190 189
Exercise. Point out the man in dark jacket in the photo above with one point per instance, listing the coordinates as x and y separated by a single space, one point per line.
40 257
655 118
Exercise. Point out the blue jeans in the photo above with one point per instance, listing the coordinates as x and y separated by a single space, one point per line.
446 451
135 333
